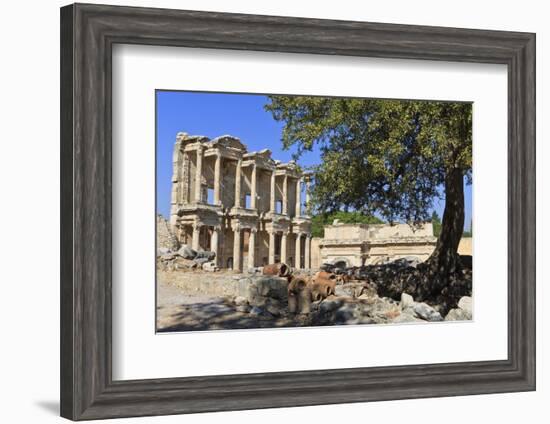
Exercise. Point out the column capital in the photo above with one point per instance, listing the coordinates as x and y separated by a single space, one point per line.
253 230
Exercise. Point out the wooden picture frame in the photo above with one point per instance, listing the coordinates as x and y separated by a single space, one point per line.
88 33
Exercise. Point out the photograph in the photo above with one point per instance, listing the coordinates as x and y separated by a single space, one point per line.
280 210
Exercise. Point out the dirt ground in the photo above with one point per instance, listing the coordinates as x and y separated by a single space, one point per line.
181 311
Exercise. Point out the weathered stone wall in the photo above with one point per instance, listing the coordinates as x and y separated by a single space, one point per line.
351 254
465 246
359 244
381 253
165 238
376 231
315 252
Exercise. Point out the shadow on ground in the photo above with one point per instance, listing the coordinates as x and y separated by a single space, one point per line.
214 314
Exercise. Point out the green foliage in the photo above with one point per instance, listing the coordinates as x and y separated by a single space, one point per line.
436 223
318 222
384 156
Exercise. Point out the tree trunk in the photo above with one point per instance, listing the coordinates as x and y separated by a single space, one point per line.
444 260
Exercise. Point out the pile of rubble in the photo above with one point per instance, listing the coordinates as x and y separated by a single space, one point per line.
409 276
328 298
186 258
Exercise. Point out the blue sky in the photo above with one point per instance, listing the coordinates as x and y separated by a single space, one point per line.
240 115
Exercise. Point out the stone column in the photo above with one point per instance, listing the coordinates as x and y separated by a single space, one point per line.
196 234
185 183
175 199
298 211
217 174
271 258
284 240
298 255
308 195
177 160
238 184
198 176
285 195
215 241
307 259
253 187
252 248
237 248
272 194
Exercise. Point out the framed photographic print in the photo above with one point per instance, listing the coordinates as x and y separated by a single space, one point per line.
291 211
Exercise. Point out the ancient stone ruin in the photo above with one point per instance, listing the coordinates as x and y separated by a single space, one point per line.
370 244
240 217
244 206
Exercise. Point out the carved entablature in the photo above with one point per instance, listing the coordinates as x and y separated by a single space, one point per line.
301 225
282 226
262 159
227 142
244 223
248 213
290 168
185 139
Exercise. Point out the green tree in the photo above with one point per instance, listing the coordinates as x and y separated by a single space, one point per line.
389 157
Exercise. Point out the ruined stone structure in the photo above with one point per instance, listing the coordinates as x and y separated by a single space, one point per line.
165 237
361 244
243 205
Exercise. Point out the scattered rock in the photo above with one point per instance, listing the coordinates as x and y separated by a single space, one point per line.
427 313
406 316
407 301
163 251
186 252
327 306
463 312
240 300
274 287
210 266
256 311
346 314
458 315
182 263
200 261
349 289
465 303
205 254
274 307
243 308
